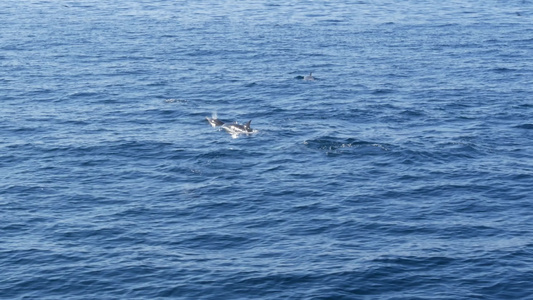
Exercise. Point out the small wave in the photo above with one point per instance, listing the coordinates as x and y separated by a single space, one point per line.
525 126
172 100
503 70
82 94
157 83
412 113
382 91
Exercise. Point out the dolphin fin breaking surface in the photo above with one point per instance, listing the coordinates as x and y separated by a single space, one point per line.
234 129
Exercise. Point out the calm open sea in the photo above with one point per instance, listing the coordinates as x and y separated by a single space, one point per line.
404 171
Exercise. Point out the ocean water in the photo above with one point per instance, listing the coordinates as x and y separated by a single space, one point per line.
404 171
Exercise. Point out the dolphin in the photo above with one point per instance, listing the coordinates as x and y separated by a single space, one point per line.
309 77
232 128
237 129
214 121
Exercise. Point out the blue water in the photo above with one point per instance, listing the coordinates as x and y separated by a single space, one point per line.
404 171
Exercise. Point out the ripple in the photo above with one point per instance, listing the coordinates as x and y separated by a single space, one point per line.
332 145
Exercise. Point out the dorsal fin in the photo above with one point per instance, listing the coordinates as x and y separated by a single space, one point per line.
247 125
